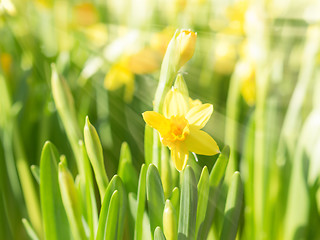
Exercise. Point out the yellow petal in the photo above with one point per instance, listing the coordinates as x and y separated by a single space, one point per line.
174 104
200 142
179 156
198 116
157 121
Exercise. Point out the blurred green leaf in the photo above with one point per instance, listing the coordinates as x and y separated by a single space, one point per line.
188 205
155 197
233 208
30 231
55 221
36 173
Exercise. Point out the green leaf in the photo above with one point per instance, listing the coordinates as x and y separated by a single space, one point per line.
165 174
148 144
64 103
94 150
155 197
215 181
30 231
175 199
219 169
203 196
126 170
36 173
115 184
188 205
70 200
141 198
55 221
233 208
158 234
91 205
113 217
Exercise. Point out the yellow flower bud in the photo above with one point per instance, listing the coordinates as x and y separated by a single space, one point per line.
170 221
186 41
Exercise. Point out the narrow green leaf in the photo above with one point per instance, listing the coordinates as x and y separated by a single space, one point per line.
70 200
113 217
170 221
175 199
233 208
141 198
219 168
36 173
94 150
155 197
203 195
126 170
188 205
215 181
158 234
115 184
165 174
64 102
30 231
148 144
54 216
91 205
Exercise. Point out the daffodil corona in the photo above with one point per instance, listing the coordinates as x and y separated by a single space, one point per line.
180 128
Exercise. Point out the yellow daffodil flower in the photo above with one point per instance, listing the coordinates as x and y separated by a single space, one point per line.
180 128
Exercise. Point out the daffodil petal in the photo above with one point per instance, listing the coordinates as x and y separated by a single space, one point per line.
157 121
179 156
174 104
199 115
200 142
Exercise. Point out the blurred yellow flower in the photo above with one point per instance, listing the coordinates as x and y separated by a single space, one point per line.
119 75
145 61
248 82
160 40
85 14
225 56
236 14
5 63
180 128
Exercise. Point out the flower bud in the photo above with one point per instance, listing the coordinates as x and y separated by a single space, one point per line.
186 41
169 221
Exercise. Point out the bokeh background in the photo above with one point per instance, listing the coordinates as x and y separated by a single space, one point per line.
256 61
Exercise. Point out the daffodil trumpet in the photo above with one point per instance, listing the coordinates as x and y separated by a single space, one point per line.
180 128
